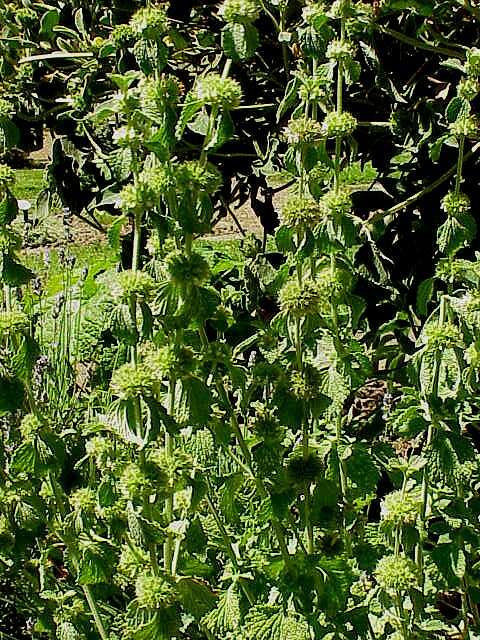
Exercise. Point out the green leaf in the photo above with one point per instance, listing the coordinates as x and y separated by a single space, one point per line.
446 454
240 41
271 623
196 596
115 231
289 99
226 616
450 561
151 56
194 400
163 626
25 459
455 233
456 108
223 131
49 20
191 107
363 473
92 569
9 134
424 295
14 273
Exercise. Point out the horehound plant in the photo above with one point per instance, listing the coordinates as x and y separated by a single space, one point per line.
222 484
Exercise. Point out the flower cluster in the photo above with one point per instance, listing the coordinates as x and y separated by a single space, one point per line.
99 449
313 14
122 35
456 204
312 88
195 176
301 299
468 88
30 426
303 131
396 574
298 212
167 361
472 356
156 94
265 424
150 23
153 592
443 336
243 11
83 499
305 384
340 51
465 126
127 137
336 203
339 124
472 66
6 109
303 468
187 270
133 482
133 283
215 91
131 381
132 562
400 508
150 186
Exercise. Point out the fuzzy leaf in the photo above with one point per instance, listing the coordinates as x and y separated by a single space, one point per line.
191 107
226 616
196 596
240 41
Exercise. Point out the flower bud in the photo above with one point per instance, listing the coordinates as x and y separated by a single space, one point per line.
243 11
339 124
216 91
396 574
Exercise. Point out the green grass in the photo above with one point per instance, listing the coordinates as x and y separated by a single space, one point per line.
97 257
29 183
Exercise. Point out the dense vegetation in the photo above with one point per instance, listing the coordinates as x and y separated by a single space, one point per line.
270 439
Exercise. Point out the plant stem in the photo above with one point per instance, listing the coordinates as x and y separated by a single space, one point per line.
419 44
137 237
380 215
168 547
338 139
461 153
261 489
228 544
430 433
96 616
74 555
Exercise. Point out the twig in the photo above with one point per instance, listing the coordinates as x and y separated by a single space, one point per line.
379 215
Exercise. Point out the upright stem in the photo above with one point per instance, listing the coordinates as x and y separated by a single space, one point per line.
461 153
338 139
430 433
169 448
94 609
137 237
228 544
62 512
260 486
